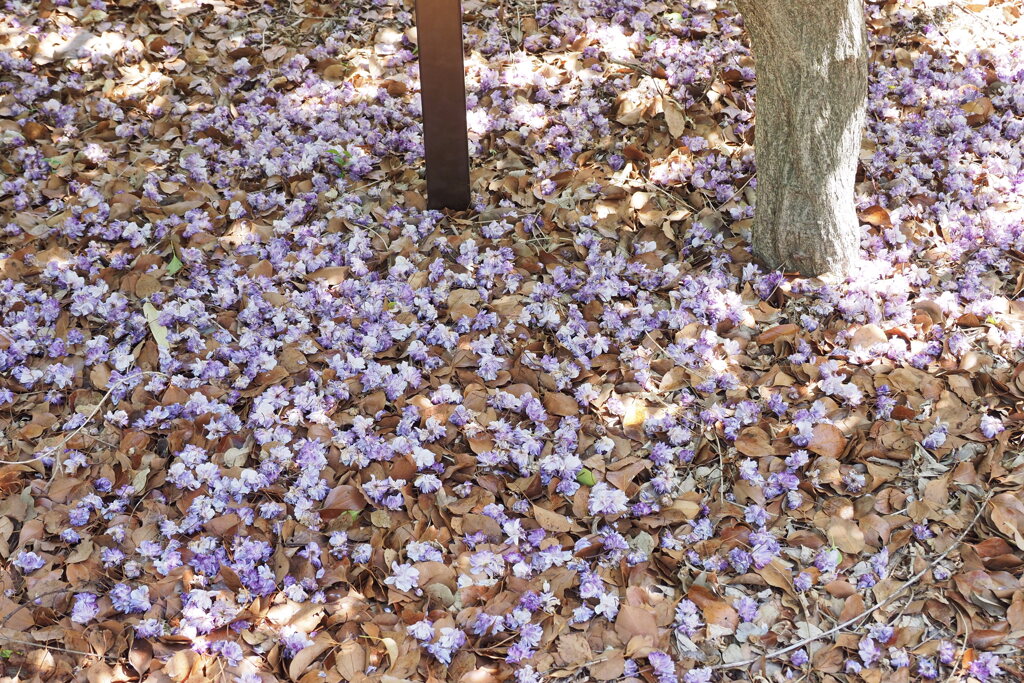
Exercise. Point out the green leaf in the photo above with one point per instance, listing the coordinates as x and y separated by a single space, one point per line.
586 477
341 158
353 514
175 265
6 654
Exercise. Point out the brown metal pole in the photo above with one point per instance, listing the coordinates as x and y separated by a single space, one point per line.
443 93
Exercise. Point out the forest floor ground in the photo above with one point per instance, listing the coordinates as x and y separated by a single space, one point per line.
264 417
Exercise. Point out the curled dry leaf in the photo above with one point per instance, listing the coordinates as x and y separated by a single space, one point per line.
876 216
777 332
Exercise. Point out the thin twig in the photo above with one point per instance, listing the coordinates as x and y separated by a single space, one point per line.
632 65
959 655
736 193
672 197
853 620
88 419
24 605
56 648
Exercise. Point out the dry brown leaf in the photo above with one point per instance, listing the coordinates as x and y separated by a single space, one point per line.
775 574
827 440
986 639
777 332
635 621
675 117
350 659
333 275
846 535
573 649
635 417
553 521
560 404
481 675
34 131
1007 514
1015 614
341 498
674 379
867 336
610 668
141 656
721 618
852 607
755 442
146 286
978 110
828 659
876 216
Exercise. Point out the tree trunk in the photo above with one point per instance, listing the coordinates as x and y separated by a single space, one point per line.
812 77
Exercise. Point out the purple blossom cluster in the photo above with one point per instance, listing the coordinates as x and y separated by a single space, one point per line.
320 330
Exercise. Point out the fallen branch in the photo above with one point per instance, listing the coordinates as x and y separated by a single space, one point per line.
860 617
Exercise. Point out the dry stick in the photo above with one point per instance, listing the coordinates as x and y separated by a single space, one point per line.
959 655
850 622
57 648
3 624
88 419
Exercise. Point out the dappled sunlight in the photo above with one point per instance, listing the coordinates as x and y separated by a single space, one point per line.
263 414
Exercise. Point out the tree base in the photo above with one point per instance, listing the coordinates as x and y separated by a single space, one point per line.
812 80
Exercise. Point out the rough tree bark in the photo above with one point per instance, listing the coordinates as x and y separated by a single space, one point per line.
812 76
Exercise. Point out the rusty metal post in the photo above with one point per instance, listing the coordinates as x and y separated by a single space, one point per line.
443 93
